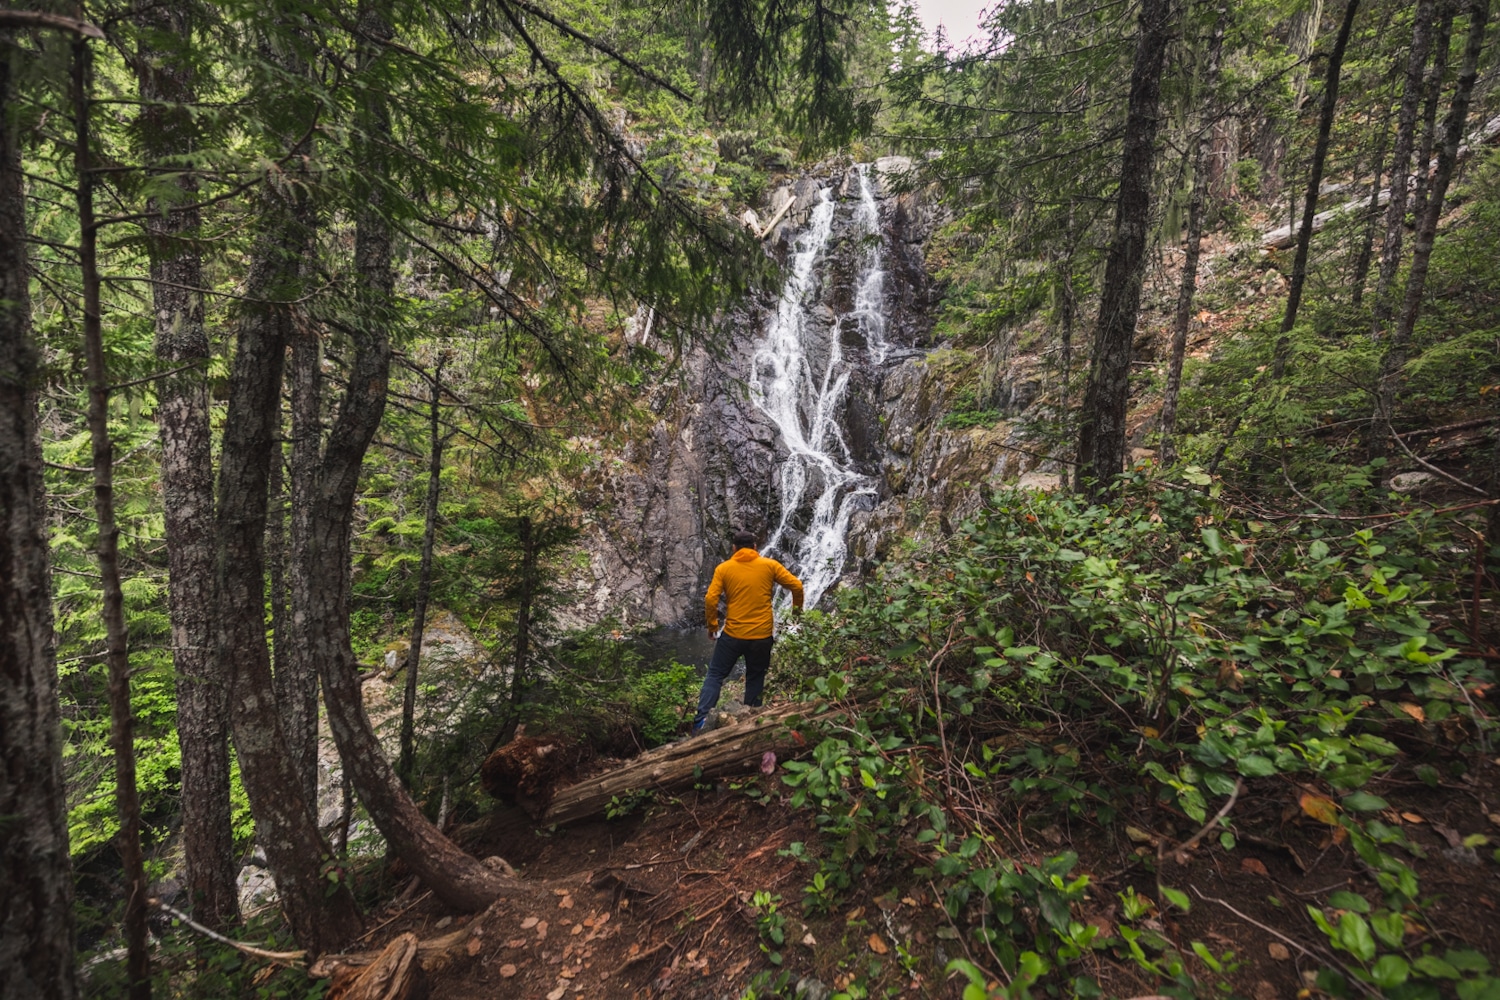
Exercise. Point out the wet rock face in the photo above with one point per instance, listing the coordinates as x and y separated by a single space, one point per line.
711 462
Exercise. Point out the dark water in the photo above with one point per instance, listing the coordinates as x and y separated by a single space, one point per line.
685 645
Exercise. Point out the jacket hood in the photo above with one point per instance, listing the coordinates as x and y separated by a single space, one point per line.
746 555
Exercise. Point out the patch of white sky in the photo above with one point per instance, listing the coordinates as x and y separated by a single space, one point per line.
959 19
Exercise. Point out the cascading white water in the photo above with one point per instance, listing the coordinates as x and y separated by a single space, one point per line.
805 403
869 296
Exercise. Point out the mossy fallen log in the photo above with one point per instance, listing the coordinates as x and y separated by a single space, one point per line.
737 747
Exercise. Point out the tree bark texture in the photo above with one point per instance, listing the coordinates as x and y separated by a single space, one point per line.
1101 446
458 879
1406 125
107 542
1430 100
1394 359
36 878
424 575
322 914
166 132
297 678
1314 182
1192 249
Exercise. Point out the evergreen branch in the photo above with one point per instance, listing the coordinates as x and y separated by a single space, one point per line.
604 47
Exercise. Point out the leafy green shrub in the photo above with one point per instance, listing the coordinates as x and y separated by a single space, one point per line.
1194 647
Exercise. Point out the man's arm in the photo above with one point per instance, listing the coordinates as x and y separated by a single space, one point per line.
786 579
711 602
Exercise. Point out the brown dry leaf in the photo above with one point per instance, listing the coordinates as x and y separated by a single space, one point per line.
516 943
878 945
1265 990
566 903
1320 807
1254 866
529 923
854 914
1138 835
475 943
912 902
1415 711
601 920
557 994
541 930
1495 818
636 948
1278 951
1412 818
507 970
568 973
577 929
739 967
588 921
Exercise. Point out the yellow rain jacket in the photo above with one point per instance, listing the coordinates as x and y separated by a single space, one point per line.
748 579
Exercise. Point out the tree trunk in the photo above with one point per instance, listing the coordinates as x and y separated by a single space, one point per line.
165 128
733 749
523 610
1394 359
1432 97
1314 181
1395 209
297 680
36 879
117 657
1101 444
322 913
1372 213
1193 248
1223 184
1069 310
424 577
277 504
457 878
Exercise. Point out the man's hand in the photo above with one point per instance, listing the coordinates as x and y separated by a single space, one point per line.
712 632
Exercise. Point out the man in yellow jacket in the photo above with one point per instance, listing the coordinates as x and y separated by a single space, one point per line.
746 580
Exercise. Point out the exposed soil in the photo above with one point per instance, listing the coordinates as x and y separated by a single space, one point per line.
659 905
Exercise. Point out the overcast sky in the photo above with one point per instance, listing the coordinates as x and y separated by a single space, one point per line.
961 17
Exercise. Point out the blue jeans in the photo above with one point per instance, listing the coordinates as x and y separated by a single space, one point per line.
727 651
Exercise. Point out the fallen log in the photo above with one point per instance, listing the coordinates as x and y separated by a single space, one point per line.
734 748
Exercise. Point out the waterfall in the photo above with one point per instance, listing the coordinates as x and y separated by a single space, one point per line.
798 377
869 297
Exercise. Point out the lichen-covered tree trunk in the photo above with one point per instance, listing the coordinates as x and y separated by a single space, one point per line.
297 677
322 913
165 128
455 877
36 879
1192 250
1101 443
1395 209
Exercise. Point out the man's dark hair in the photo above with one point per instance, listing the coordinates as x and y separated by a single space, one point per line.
743 539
